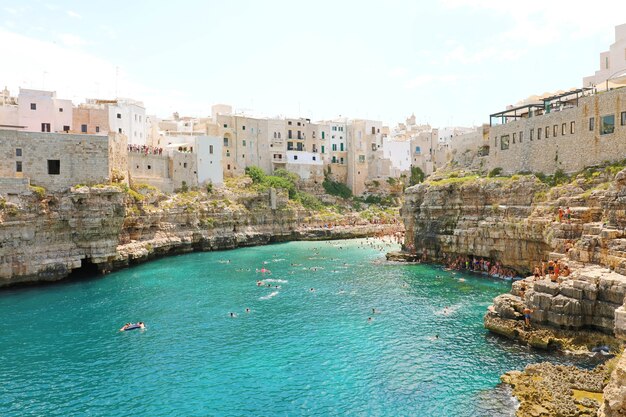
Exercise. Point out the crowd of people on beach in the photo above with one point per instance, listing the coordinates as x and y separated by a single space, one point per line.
479 265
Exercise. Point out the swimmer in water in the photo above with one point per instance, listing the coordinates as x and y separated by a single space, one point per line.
232 314
311 289
369 319
247 310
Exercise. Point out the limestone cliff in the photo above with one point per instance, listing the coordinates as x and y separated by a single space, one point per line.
102 228
514 221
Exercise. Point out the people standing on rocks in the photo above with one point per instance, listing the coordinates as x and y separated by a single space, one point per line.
555 276
560 214
543 269
568 215
537 273
550 268
527 313
566 271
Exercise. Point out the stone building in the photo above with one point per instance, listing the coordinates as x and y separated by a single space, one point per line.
568 132
35 111
74 159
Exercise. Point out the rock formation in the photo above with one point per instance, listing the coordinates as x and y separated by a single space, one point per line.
102 228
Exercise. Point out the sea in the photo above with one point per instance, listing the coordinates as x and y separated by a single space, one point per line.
293 329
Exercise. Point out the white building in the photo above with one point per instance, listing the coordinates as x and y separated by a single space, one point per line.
42 111
208 151
307 165
128 117
399 153
612 70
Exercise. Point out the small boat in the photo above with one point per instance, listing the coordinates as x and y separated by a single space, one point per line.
133 326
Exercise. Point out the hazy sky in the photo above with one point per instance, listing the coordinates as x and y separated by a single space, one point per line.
451 62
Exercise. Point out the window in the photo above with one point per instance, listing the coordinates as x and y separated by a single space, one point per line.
18 166
341 161
606 62
185 165
314 158
226 127
275 136
290 146
243 142
334 160
83 128
298 123
313 134
341 147
135 117
210 149
361 159
592 124
334 145
532 134
539 130
33 106
504 142
571 127
289 123
322 148
555 130
227 153
66 129
228 167
547 132
295 157
149 167
514 137
623 118
119 130
563 128
607 125
323 135
243 127
418 150
373 130
521 136
45 127
119 115
289 135
60 109
225 141
278 135
18 151
54 167
373 146
97 129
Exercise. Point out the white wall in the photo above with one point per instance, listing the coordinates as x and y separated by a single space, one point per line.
399 152
132 121
209 163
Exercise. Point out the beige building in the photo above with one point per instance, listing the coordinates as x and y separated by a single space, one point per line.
569 131
74 159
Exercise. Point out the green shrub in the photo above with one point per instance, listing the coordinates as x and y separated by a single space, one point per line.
255 173
309 201
135 195
39 191
336 188
209 187
184 187
417 175
495 172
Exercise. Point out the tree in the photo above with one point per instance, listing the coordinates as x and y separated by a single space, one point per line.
256 174
417 175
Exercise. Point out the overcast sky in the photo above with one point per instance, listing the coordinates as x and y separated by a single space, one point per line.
451 62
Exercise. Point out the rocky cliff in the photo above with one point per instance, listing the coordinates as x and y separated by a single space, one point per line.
514 221
102 228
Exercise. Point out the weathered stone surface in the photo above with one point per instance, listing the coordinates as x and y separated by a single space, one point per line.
614 402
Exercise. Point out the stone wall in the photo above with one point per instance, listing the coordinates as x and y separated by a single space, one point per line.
566 150
81 158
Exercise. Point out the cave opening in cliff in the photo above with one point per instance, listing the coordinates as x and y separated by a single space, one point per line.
87 269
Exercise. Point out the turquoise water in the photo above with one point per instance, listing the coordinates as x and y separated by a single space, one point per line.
298 352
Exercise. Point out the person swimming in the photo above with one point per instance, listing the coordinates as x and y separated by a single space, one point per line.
247 310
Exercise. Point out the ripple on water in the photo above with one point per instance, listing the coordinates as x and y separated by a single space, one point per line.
296 352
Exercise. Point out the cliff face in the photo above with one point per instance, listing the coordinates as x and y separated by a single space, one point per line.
514 221
105 228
